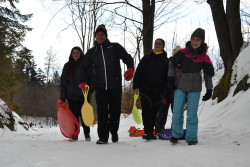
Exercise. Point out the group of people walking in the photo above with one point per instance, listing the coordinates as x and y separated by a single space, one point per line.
155 79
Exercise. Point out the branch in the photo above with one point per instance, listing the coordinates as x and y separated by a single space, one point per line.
123 16
52 19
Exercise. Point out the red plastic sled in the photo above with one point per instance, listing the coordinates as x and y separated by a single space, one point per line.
67 121
133 132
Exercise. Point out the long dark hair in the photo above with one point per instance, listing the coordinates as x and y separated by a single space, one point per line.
70 63
203 46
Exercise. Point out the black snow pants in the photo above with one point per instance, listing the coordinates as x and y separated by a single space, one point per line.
161 117
108 111
150 102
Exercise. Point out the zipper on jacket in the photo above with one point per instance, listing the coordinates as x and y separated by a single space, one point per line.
104 64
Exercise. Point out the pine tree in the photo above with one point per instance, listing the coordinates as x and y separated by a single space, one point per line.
56 78
25 65
12 33
41 77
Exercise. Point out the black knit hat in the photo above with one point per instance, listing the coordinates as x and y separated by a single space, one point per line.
200 33
101 28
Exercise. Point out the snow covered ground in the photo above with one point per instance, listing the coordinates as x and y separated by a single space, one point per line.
224 139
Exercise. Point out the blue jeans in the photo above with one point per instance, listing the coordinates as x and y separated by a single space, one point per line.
180 99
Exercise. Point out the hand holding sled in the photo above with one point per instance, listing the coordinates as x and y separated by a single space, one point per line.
135 112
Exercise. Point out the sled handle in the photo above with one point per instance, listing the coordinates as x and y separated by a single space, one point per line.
86 91
60 103
136 95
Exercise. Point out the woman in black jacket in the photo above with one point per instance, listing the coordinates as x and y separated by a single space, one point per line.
69 87
150 78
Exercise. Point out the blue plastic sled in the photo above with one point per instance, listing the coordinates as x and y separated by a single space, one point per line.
166 134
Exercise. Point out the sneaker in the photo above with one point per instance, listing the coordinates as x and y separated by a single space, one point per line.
87 137
192 142
173 140
115 138
101 141
74 138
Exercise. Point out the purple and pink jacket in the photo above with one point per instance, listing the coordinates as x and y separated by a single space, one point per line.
189 78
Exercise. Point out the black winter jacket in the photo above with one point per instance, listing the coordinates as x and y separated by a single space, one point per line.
106 62
69 85
151 73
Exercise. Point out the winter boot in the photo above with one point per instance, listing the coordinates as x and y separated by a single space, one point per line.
74 139
115 138
192 142
173 140
153 137
145 136
148 137
87 137
101 141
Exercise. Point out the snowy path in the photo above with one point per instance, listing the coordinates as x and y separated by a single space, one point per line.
46 147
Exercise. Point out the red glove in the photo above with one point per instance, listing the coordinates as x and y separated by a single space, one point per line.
82 86
128 75
164 100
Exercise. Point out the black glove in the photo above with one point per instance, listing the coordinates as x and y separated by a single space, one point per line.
207 96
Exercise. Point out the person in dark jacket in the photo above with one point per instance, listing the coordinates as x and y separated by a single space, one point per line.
168 99
150 81
105 58
70 79
192 60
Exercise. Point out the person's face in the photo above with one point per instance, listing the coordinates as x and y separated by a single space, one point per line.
100 37
76 54
196 42
158 46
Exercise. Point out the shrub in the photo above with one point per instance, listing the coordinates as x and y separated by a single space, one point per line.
242 85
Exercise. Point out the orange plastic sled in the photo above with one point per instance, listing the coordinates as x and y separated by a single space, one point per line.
133 132
67 121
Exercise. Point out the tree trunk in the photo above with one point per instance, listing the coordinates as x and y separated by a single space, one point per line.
234 24
228 29
221 28
148 24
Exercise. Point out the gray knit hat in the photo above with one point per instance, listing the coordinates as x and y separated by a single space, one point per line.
200 33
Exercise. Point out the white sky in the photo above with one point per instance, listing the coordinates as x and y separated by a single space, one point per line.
42 38
224 139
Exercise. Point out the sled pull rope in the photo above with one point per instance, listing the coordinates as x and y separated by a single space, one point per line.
202 103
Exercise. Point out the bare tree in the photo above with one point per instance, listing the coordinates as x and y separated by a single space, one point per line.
50 65
146 16
141 16
245 17
84 17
